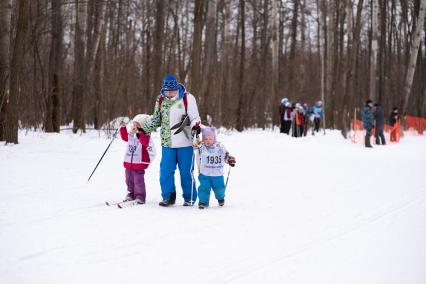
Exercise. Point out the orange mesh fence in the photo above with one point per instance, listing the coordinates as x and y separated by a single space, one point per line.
392 133
416 123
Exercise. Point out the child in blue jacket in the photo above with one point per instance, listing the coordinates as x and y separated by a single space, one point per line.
211 158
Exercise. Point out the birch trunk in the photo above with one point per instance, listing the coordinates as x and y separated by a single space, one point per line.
374 48
411 68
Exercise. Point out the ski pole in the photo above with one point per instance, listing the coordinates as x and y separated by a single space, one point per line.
192 169
113 137
227 178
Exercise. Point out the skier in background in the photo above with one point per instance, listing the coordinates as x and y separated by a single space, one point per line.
318 112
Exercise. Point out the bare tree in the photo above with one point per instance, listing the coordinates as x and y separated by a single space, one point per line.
80 77
374 47
157 64
210 56
196 49
275 63
16 64
5 18
240 119
52 119
415 43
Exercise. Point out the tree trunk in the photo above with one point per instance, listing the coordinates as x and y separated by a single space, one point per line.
196 50
292 59
321 47
352 52
210 57
157 63
5 19
53 120
411 68
16 65
374 48
226 67
275 66
240 119
80 77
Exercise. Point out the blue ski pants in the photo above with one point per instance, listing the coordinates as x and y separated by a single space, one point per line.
183 158
206 184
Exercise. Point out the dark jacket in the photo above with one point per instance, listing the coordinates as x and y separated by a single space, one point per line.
379 118
393 118
367 118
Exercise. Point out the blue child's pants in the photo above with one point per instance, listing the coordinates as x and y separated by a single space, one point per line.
210 182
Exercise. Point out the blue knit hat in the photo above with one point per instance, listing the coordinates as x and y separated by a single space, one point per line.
171 84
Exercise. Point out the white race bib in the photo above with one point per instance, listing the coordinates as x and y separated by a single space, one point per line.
212 160
134 150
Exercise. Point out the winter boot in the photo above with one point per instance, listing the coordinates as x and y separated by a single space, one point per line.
171 201
368 141
221 202
139 201
172 197
188 203
165 203
129 197
202 206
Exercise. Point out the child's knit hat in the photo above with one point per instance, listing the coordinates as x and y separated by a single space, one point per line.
141 118
209 131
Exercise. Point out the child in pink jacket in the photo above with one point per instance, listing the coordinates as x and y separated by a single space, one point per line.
139 154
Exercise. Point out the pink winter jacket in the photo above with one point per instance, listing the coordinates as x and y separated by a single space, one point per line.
144 140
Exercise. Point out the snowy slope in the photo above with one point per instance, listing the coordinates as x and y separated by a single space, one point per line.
311 210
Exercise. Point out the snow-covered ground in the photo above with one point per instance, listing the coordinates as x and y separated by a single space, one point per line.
311 210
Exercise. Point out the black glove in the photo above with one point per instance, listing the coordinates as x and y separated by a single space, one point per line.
196 129
141 130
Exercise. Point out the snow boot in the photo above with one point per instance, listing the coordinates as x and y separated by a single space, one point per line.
368 141
166 203
172 197
171 201
188 203
202 206
129 197
221 202
139 201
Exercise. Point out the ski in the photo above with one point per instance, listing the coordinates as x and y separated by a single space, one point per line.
113 203
130 203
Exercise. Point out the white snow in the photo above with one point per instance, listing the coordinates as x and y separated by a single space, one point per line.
312 210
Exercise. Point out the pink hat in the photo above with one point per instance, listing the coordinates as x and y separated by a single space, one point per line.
209 131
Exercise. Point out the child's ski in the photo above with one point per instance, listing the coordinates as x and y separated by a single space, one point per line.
130 203
113 203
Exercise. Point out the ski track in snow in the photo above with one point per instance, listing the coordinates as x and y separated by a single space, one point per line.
312 210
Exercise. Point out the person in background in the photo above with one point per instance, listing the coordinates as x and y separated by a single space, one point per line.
380 124
318 112
283 103
393 120
368 121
